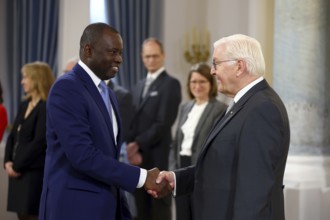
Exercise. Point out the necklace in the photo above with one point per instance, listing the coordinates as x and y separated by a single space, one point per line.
32 104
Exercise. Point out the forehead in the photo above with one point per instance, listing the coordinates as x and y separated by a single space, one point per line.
110 39
219 51
151 48
197 75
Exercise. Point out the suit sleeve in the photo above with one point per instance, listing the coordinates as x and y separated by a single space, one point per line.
185 180
259 154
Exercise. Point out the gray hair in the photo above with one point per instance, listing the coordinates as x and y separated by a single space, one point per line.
245 48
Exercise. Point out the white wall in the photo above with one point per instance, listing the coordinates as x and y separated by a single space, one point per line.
221 18
74 17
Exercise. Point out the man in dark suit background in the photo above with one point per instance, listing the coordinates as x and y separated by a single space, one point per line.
156 100
83 178
239 172
125 105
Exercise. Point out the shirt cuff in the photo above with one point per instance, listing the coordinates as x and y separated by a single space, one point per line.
143 177
174 190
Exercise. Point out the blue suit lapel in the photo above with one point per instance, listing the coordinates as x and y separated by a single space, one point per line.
95 94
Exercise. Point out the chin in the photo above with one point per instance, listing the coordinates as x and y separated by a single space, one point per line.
111 75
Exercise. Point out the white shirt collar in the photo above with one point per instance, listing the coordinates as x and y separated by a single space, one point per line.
96 79
247 88
155 74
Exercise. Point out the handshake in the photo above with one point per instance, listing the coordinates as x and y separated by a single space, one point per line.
159 184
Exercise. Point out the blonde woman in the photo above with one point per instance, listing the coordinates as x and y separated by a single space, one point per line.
26 143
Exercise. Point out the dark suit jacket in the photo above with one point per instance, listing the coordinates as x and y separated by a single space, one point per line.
83 177
213 110
239 173
154 117
29 147
125 106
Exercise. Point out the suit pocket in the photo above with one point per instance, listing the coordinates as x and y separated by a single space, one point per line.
83 185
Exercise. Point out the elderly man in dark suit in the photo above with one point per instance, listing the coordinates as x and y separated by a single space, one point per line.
239 172
156 100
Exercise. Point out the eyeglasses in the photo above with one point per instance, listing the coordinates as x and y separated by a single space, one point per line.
215 64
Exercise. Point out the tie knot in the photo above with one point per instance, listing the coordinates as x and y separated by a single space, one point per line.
103 86
230 106
149 80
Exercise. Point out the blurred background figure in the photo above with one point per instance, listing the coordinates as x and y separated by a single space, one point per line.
156 100
195 120
125 104
3 115
26 144
70 64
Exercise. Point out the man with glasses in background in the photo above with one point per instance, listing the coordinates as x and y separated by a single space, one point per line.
156 100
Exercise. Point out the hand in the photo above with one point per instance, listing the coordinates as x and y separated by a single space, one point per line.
136 159
158 189
133 154
132 148
164 176
10 171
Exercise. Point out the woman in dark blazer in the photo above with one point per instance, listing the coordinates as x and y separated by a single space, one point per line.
196 118
26 144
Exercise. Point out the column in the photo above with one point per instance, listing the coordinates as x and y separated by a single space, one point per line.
301 76
302 71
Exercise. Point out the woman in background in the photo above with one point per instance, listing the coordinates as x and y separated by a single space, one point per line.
26 143
3 115
196 118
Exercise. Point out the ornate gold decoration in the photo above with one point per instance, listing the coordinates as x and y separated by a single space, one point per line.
198 50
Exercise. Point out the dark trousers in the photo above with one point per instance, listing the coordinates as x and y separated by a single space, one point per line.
149 208
183 203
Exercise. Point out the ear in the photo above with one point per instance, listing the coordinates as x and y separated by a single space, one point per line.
87 50
241 67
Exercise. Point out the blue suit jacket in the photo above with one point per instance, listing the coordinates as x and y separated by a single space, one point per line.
83 177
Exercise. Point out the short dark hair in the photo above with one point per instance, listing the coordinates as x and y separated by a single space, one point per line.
93 33
204 70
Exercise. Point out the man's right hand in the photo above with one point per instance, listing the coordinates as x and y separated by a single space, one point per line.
159 188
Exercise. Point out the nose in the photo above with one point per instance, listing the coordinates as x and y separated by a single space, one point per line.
119 58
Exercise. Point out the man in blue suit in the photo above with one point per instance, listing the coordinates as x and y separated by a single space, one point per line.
83 177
